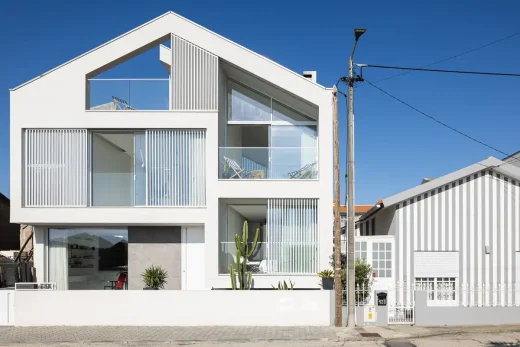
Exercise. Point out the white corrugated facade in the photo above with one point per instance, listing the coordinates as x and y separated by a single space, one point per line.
474 221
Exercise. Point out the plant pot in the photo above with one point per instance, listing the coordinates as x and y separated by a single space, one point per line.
148 288
327 283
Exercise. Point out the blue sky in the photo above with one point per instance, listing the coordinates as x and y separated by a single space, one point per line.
395 147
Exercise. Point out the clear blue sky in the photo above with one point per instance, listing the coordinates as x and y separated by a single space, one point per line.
395 147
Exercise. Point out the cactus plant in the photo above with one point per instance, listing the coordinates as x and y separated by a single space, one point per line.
243 252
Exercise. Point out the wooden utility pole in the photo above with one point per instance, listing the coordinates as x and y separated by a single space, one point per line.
337 224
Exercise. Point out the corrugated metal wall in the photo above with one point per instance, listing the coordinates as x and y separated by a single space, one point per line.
176 167
466 216
194 77
55 167
292 236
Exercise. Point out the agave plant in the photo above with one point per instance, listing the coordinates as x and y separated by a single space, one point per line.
284 286
326 274
154 277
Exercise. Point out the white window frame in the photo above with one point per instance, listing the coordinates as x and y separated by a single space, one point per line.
435 295
370 240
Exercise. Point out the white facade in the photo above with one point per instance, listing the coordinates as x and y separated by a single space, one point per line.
55 174
457 236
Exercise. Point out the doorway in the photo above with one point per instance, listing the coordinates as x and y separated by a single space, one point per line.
193 258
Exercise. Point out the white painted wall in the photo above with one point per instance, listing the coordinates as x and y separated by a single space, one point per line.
60 96
6 307
174 308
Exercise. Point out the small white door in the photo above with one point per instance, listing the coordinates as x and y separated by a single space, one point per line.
193 270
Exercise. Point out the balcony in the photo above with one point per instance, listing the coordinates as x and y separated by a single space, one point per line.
128 94
275 163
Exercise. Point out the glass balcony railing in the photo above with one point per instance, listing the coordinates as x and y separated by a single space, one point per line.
128 94
268 163
257 262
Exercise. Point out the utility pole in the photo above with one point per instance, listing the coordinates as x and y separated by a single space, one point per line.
351 278
337 223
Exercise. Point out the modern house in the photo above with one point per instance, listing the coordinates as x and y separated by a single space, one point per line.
116 175
457 237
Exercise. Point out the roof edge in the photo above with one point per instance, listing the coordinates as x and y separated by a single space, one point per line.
491 163
90 51
153 20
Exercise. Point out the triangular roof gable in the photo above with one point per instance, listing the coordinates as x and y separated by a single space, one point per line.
154 31
491 163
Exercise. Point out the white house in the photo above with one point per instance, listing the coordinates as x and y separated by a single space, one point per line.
117 175
456 237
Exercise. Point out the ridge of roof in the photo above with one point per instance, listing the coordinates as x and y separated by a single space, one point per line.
491 163
149 22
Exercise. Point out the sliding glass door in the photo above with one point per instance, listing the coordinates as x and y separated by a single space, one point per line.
149 168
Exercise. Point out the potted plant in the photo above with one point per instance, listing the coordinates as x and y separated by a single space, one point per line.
154 278
327 279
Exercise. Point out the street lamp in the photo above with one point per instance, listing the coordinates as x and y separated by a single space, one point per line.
351 280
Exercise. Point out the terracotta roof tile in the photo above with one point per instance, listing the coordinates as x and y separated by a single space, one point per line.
357 209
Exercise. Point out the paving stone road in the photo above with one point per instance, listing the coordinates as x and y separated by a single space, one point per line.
394 336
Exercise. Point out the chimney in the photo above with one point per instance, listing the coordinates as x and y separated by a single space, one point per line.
310 75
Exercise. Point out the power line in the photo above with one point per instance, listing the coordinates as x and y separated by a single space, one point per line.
442 70
454 56
438 121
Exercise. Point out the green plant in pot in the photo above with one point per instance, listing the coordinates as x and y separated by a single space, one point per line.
327 279
154 278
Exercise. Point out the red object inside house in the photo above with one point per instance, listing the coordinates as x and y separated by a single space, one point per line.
121 280
373 274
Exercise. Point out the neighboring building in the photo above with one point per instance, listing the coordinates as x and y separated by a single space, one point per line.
359 210
457 237
9 232
118 175
513 159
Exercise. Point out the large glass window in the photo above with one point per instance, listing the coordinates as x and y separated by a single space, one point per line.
114 164
88 258
286 114
288 236
246 104
266 139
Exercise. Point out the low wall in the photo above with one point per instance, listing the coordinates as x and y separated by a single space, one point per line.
6 307
444 315
174 308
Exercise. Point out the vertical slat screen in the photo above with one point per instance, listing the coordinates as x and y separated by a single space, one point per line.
176 167
292 236
55 167
194 77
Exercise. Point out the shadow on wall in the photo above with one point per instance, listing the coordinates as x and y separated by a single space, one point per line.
498 343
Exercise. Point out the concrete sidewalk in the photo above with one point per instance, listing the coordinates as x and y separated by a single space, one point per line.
312 336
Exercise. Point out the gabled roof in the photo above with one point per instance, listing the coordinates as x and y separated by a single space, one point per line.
171 23
491 163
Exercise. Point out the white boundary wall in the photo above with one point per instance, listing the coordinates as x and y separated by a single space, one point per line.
6 307
175 308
